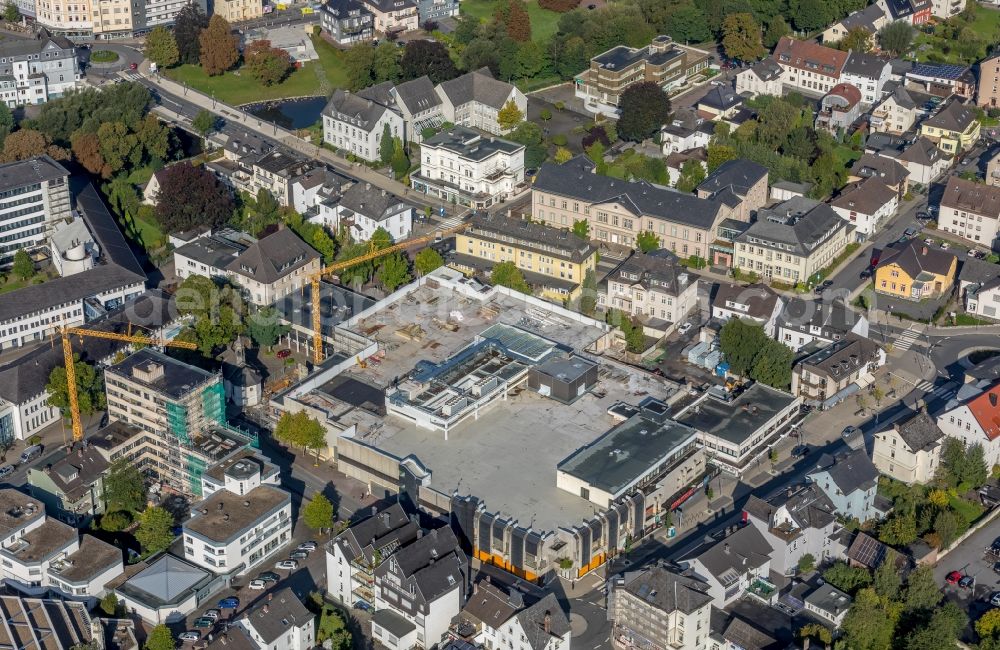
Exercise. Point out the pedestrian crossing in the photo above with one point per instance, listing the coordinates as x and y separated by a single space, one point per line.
905 340
933 391
450 222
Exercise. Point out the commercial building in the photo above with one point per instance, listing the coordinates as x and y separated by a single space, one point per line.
236 11
976 421
36 194
166 589
971 210
354 122
655 607
663 62
474 100
954 129
837 371
850 482
916 272
553 260
738 428
267 269
465 167
736 564
280 621
346 21
36 70
792 241
808 66
111 19
910 451
653 286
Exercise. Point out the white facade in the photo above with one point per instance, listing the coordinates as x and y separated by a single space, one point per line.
725 592
892 117
966 423
870 86
981 229
39 76
477 114
749 81
654 301
894 458
350 137
865 220
34 193
433 624
983 301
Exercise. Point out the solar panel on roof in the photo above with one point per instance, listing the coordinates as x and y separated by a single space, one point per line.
943 70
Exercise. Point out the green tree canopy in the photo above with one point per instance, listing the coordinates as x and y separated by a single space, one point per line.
427 260
510 115
393 271
896 37
318 513
647 241
742 38
691 175
124 487
89 388
807 563
506 274
868 625
160 638
847 578
24 266
161 47
581 228
300 429
156 530
265 327
645 108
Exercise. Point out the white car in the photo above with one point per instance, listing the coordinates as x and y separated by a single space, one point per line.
257 585
684 328
995 599
307 546
212 614
190 636
288 565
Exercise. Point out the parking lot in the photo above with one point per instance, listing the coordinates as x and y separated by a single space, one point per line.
971 559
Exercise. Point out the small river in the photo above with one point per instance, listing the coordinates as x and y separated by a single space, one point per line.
290 113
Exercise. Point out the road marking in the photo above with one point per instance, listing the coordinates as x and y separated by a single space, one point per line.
905 340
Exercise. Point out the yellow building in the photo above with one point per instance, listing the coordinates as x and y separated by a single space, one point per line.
916 272
235 11
954 128
553 261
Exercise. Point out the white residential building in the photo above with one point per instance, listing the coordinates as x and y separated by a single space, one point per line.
815 321
240 525
503 619
910 450
984 299
465 167
39 69
354 122
896 114
762 78
971 210
475 99
925 161
976 421
732 566
867 73
363 209
280 621
652 286
867 206
658 608
756 303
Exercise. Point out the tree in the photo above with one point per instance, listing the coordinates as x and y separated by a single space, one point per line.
268 65
109 604
89 388
647 241
506 274
941 631
466 30
205 122
10 13
116 521
687 24
691 176
385 62
635 338
988 625
562 155
922 591
896 38
331 626
265 327
776 28
399 163
219 51
156 530
740 342
645 108
160 638
719 154
509 116
119 146
947 527
847 578
900 529
741 37
187 28
300 429
807 563
394 271
514 16
581 229
124 487
818 631
857 39
161 47
24 266
155 138
427 260
318 513
359 65
887 582
386 147
429 58
810 15
28 143
191 196
588 293
772 365
867 625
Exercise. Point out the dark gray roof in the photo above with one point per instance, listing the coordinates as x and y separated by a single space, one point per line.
919 432
807 506
666 590
273 257
479 86
866 18
865 65
577 179
827 319
34 170
370 201
902 97
386 6
852 471
343 8
177 379
829 599
389 620
743 551
658 270
954 116
235 638
886 169
212 251
23 46
915 257
978 271
533 622
418 95
424 551
794 227
969 196
738 420
75 472
866 197
284 163
737 175
760 299
92 558
721 98
841 358
391 526
922 152
767 69
744 635
470 144
167 580
560 243
279 612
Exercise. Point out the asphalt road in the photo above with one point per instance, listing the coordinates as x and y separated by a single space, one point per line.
970 559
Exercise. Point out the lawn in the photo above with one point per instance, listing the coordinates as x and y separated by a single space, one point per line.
966 320
320 77
845 155
939 48
543 22
986 24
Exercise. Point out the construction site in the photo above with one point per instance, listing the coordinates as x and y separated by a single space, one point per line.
420 415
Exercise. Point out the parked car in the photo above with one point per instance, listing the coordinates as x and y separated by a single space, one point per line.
286 565
684 328
283 354
995 599
923 216
307 546
849 431
362 605
865 275
189 636
910 232
966 582
269 576
257 585
31 453
204 622
229 603
953 577
212 614
945 245
6 471
800 451
298 555
994 548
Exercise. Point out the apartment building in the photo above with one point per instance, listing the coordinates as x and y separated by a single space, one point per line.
954 129
651 286
239 526
915 12
658 608
803 322
983 299
552 259
72 486
885 169
925 161
38 70
895 114
733 566
475 99
663 62
866 206
741 184
435 10
498 617
276 171
236 11
354 122
971 210
178 415
871 19
72 18
976 421
792 241
420 105
849 481
394 16
280 620
363 209
839 109
346 22
808 66
909 451
111 19
762 78
988 90
869 74
267 269
916 272
462 166
33 193
832 374
756 303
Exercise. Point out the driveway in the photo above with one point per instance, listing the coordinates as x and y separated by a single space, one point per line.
970 559
562 121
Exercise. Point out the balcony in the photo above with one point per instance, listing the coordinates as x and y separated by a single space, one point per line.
763 590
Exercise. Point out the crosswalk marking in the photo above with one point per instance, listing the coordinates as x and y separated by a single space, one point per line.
450 221
905 340
934 391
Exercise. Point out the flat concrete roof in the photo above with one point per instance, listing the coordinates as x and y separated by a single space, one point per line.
224 515
737 420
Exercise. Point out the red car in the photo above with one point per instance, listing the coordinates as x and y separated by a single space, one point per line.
133 66
953 577
283 354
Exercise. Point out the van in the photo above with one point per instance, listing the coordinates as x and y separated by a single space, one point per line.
31 453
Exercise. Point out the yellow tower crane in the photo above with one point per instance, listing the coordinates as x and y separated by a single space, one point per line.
354 261
74 400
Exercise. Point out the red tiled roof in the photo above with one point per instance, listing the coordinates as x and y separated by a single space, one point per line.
809 56
849 92
986 409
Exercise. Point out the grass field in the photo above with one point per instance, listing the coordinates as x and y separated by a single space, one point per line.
543 21
320 77
933 47
987 23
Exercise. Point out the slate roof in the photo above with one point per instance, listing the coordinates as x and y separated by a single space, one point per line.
866 197
720 98
74 473
759 298
376 531
547 240
767 70
370 201
576 179
922 152
866 18
919 432
273 257
864 65
886 169
743 635
491 604
738 175
363 109
34 170
954 116
827 319
810 56
658 271
666 590
470 144
902 97
796 226
418 95
842 357
21 47
807 507
532 620
969 196
852 471
916 257
479 86
975 271
744 550
284 612
829 599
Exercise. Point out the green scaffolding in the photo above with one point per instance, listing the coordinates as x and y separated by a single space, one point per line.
213 400
177 421
195 468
